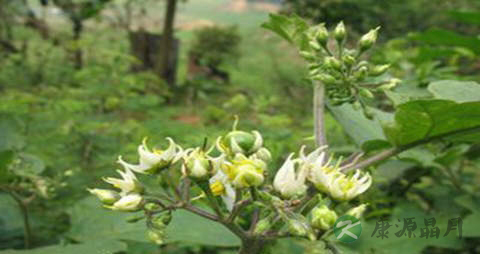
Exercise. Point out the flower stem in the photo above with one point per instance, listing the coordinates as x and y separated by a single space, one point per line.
318 114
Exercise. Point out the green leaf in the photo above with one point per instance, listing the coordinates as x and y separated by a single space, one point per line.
458 91
293 29
443 37
91 222
423 120
188 227
375 144
99 246
357 126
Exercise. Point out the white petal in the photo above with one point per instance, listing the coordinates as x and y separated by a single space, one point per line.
258 141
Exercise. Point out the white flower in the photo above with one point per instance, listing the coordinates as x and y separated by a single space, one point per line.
320 173
152 161
128 203
107 197
220 186
127 184
288 182
343 187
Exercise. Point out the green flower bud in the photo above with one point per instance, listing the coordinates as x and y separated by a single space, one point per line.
366 93
240 142
152 206
361 73
314 45
390 84
322 35
379 70
196 165
162 221
107 197
300 227
325 78
156 236
368 39
357 211
307 55
340 32
323 218
349 60
263 225
333 63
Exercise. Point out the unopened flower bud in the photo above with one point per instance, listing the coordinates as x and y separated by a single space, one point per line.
322 35
307 55
390 84
361 73
162 221
366 93
323 218
107 197
263 225
333 63
300 228
379 70
240 142
325 78
349 60
196 165
368 39
340 32
357 211
128 203
156 236
314 45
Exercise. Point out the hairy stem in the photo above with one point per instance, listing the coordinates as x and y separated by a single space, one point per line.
318 114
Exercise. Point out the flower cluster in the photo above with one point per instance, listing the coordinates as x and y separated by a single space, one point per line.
234 173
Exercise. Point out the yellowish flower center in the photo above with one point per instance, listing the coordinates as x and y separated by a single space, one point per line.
217 188
157 151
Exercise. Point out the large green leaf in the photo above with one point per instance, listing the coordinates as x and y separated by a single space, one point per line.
100 246
357 126
91 222
423 120
400 245
459 91
441 37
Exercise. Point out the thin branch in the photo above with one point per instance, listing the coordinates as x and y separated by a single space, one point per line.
199 211
319 114
396 150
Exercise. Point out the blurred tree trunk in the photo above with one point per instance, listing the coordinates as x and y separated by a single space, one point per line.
77 33
166 54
